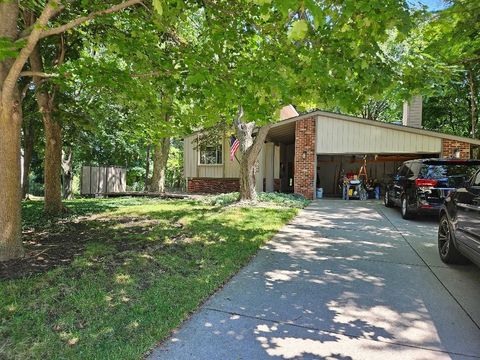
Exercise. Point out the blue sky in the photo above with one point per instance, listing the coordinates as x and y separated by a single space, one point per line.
433 4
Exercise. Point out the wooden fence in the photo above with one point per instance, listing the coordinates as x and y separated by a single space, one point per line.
103 180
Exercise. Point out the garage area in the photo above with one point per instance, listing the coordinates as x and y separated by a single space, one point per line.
379 168
370 150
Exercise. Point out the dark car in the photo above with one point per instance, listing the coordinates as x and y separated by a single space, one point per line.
420 186
459 229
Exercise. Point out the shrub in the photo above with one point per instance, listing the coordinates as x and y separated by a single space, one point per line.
286 200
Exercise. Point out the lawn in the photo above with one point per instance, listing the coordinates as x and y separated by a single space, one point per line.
114 277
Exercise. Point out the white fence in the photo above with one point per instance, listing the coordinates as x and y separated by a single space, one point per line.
103 180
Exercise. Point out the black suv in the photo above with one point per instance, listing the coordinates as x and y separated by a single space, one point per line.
420 186
459 229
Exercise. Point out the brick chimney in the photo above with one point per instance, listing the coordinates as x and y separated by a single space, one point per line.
412 112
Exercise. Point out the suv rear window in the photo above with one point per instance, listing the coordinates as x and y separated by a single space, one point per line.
454 174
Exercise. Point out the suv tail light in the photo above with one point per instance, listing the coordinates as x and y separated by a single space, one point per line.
425 182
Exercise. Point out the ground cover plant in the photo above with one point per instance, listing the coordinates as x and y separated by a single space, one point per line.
114 277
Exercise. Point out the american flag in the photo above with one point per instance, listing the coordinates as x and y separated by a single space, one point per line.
234 144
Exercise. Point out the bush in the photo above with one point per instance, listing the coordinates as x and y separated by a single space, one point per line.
286 200
222 199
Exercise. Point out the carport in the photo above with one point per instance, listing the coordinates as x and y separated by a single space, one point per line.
318 147
304 152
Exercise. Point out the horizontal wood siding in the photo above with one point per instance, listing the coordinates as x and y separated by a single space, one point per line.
336 136
190 157
232 168
229 169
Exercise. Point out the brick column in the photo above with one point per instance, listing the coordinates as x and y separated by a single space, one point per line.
449 146
305 153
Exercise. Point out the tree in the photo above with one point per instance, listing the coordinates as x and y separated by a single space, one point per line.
453 37
442 61
160 158
17 46
313 54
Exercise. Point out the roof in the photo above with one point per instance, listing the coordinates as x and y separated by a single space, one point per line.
381 124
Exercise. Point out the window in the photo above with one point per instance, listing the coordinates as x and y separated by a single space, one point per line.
451 175
211 155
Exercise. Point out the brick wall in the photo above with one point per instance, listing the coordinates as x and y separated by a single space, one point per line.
212 185
304 171
219 186
449 146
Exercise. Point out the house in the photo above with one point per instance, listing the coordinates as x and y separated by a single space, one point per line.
305 152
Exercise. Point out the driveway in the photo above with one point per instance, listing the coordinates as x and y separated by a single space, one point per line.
344 280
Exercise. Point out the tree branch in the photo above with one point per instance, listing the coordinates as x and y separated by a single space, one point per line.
70 25
38 74
149 74
52 8
10 81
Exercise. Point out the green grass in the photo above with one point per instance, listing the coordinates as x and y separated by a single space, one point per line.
146 266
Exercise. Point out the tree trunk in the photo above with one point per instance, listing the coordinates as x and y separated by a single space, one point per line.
250 148
53 140
52 165
473 102
28 141
67 172
160 157
10 131
10 191
147 170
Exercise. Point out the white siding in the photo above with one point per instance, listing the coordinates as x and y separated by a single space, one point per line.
192 169
229 169
335 136
190 156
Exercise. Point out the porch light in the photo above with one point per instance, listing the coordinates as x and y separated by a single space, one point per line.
304 155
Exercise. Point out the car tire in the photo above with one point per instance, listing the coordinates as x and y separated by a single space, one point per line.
387 200
447 250
407 214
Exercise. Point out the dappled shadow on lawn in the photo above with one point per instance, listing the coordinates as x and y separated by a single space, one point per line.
58 241
93 230
111 284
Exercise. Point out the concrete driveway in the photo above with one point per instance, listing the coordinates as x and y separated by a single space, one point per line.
344 280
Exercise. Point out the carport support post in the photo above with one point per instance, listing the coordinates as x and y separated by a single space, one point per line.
269 166
305 154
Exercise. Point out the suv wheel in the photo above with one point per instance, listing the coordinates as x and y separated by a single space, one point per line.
406 213
446 245
386 199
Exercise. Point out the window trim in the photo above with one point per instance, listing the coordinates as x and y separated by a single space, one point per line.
199 159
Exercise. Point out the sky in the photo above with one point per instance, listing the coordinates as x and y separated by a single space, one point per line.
433 5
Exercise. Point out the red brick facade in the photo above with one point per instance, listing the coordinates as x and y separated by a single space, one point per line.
219 185
305 153
213 185
449 146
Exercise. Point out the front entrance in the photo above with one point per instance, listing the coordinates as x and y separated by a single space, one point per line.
287 168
